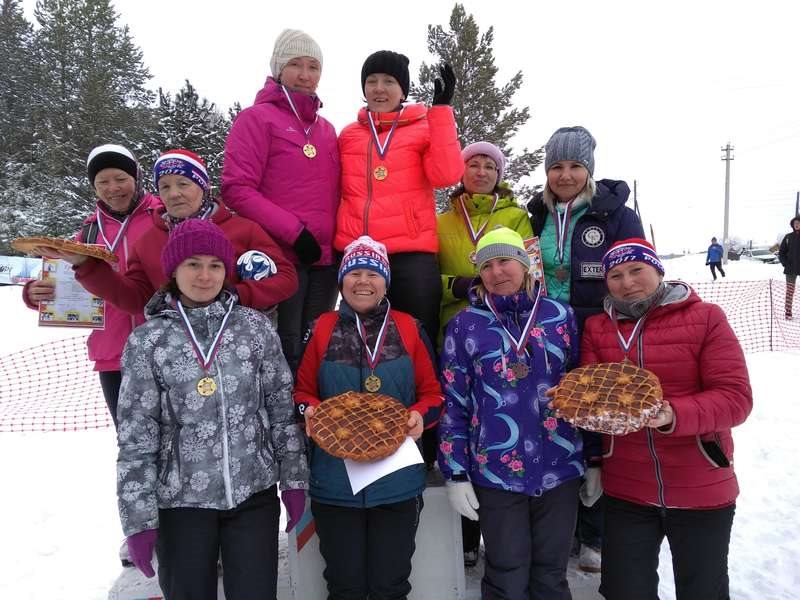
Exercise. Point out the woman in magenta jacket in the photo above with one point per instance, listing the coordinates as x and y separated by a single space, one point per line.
122 214
675 477
281 170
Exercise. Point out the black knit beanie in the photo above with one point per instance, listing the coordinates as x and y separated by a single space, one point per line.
391 63
110 156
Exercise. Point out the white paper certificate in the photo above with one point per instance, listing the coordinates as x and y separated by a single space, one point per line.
361 474
73 306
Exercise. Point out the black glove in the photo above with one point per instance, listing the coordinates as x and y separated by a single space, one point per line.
443 88
460 287
307 248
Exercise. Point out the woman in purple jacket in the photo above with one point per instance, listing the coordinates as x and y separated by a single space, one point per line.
281 170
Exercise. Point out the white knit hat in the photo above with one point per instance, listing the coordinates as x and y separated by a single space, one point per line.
292 43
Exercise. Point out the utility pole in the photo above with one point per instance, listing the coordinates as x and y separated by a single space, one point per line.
728 149
797 205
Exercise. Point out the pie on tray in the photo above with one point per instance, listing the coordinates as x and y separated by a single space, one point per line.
615 398
359 425
33 245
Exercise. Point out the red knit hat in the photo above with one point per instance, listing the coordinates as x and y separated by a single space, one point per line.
195 237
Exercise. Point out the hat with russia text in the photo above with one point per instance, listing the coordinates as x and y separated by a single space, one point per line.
365 253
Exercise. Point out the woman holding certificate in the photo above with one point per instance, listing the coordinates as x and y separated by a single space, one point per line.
367 538
207 430
121 216
507 459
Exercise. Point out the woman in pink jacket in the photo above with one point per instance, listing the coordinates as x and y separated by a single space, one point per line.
675 477
393 157
122 214
281 170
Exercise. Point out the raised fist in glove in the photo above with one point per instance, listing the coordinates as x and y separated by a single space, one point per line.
295 503
140 548
462 499
444 88
307 248
592 487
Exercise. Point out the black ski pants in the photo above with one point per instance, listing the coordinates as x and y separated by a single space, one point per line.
367 551
698 540
527 541
189 544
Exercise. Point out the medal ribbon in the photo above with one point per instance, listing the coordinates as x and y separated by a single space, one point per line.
383 149
113 245
205 358
519 345
624 343
306 130
474 236
373 356
562 229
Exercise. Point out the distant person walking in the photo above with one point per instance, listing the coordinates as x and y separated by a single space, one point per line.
789 255
714 258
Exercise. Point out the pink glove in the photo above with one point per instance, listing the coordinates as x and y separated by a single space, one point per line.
140 547
295 503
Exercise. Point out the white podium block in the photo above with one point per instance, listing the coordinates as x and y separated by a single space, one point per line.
437 568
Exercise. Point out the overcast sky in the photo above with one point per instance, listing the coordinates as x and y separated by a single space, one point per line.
662 86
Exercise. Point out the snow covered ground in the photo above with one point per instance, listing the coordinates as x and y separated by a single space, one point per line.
61 530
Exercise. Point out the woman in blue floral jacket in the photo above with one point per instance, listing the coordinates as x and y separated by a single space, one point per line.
506 457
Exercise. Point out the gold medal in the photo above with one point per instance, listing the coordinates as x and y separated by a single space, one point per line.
473 257
206 386
380 172
310 150
372 383
562 274
520 370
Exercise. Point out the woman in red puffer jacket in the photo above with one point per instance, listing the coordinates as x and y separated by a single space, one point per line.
675 477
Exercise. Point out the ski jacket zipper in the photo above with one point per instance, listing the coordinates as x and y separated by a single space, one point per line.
651 445
226 468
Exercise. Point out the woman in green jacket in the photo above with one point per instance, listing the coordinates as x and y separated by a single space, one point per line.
481 203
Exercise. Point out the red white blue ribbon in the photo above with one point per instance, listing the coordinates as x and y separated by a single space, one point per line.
474 236
205 357
306 130
383 149
519 345
562 229
111 246
373 356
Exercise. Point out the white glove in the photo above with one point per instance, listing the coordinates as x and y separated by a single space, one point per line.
592 487
462 498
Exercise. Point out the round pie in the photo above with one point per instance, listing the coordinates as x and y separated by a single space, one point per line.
615 398
360 426
33 245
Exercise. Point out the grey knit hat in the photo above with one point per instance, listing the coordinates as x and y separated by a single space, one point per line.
570 143
292 43
501 242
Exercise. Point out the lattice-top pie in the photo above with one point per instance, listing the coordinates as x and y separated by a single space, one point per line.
35 245
360 425
616 398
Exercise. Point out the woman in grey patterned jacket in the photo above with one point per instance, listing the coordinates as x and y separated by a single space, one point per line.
206 430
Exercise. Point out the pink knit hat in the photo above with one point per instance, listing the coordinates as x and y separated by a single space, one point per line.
486 149
195 237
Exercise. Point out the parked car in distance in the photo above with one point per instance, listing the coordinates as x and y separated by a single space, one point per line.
763 255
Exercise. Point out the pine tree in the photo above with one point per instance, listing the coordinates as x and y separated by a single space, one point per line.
189 122
91 91
17 80
482 110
